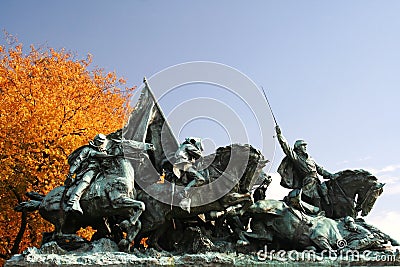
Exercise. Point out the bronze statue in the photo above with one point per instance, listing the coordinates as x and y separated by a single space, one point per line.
185 169
85 163
276 222
156 219
304 169
107 197
357 236
336 196
109 203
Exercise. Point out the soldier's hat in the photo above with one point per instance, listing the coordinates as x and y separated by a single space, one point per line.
98 140
196 141
299 143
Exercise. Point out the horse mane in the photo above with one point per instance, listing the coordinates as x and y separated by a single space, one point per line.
244 157
238 146
254 154
356 173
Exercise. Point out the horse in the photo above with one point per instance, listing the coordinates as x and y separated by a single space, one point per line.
353 191
109 201
285 227
232 171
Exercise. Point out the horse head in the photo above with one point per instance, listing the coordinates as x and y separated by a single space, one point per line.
359 190
367 201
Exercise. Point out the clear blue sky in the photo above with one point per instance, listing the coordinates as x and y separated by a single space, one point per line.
331 68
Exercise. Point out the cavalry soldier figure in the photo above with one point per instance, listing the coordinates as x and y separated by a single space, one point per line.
85 163
299 170
186 155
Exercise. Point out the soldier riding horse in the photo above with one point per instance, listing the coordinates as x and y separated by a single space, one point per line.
335 196
109 201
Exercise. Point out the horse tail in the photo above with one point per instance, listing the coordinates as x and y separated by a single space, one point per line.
32 205
35 196
28 206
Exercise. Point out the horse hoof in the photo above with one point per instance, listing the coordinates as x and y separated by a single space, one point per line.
242 243
123 245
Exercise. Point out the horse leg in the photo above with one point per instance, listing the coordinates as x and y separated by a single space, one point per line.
155 236
59 222
135 226
103 230
131 227
239 229
156 226
125 202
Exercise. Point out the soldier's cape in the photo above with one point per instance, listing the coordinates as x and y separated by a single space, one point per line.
289 176
147 123
72 157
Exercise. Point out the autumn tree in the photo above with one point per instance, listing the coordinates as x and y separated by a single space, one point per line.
50 104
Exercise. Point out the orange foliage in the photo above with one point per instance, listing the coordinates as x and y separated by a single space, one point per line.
162 179
144 242
50 104
86 232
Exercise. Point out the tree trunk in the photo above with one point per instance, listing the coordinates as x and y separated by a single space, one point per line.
24 215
